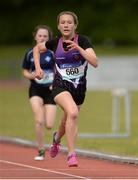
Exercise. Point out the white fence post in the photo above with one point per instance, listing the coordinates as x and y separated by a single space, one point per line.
117 93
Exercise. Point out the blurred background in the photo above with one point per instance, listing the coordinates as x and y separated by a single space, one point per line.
107 22
110 109
111 25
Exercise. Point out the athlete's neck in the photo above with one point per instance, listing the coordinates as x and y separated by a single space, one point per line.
71 37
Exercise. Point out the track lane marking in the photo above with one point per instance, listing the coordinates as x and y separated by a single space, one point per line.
46 170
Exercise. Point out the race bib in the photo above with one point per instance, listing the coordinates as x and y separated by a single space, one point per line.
72 72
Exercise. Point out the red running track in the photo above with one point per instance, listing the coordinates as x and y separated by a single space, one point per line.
16 162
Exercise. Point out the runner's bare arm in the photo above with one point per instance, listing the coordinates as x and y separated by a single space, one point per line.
88 53
36 54
27 74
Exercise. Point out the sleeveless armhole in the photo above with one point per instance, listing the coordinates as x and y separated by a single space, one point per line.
84 42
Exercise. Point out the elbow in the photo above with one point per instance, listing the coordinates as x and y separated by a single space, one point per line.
95 64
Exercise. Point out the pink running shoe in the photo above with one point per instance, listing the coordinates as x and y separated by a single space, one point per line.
72 160
54 149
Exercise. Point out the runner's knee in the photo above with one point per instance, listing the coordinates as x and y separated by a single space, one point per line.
49 127
73 114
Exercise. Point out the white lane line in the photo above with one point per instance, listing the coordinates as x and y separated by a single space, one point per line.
46 170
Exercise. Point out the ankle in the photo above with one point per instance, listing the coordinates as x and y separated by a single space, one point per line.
57 138
71 154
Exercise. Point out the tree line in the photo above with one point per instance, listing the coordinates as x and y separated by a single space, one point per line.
104 21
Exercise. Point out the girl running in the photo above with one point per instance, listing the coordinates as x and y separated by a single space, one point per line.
73 52
40 97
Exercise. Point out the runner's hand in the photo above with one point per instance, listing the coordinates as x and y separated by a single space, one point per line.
39 73
72 45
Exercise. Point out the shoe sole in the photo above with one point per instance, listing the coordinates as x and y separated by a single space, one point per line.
39 159
73 165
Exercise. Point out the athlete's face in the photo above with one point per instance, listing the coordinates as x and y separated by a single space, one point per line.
67 26
42 35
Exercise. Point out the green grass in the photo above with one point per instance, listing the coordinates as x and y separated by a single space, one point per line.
11 58
97 118
16 120
13 52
